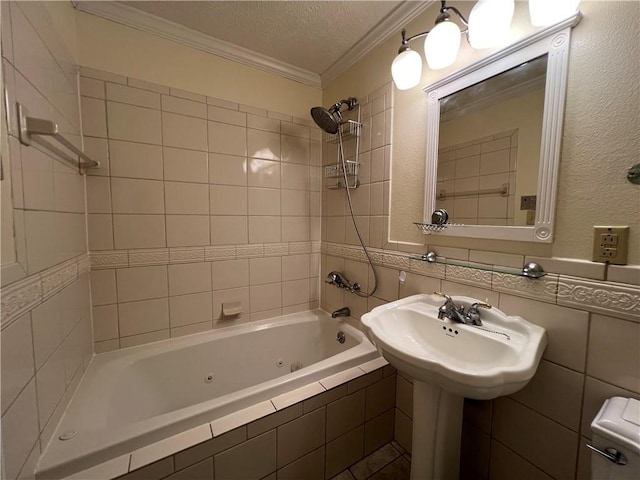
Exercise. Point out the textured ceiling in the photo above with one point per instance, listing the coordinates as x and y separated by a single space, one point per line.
308 34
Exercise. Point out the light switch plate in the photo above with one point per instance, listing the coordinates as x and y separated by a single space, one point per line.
610 244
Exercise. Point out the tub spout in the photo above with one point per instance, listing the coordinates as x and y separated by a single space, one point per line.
341 312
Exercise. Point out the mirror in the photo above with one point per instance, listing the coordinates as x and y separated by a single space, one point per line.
493 140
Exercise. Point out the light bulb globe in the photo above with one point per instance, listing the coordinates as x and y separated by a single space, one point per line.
442 44
406 69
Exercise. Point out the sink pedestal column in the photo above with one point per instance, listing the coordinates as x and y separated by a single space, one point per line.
437 427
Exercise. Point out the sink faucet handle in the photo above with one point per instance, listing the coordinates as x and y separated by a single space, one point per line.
449 299
477 305
473 315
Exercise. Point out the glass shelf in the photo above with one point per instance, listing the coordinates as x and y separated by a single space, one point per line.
529 270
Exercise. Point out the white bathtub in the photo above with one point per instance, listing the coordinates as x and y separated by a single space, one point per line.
133 397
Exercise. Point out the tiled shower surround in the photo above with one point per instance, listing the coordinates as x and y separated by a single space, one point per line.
198 202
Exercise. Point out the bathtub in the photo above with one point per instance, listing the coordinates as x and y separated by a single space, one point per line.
137 396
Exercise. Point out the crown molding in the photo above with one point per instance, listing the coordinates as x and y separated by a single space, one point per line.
131 17
390 25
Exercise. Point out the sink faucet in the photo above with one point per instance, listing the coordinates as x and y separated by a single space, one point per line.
456 313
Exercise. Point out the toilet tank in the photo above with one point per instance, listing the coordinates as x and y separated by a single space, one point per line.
617 426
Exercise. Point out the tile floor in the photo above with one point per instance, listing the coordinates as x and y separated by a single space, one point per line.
389 462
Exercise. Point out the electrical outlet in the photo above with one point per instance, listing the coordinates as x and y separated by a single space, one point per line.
610 244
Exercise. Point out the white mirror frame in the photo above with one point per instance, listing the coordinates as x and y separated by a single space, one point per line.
555 42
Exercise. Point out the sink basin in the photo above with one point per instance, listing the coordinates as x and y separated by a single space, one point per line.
485 362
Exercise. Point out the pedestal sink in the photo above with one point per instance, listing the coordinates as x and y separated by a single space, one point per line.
448 361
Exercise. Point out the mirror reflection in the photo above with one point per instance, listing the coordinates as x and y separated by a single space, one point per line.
489 148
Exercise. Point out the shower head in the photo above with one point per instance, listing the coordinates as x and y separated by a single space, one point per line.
325 119
329 119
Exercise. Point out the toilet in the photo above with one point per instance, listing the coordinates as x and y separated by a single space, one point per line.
616 440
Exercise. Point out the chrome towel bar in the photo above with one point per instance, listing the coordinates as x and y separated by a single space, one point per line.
30 126
503 191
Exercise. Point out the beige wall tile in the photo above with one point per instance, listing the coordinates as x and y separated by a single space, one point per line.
265 297
613 355
154 87
132 96
344 451
184 107
189 309
103 287
295 177
20 423
566 328
265 229
295 202
300 436
106 346
296 130
230 274
97 148
228 200
98 195
506 465
227 230
345 414
137 196
521 429
264 270
135 124
135 160
195 97
143 338
90 87
18 356
309 467
224 115
141 283
100 232
187 230
380 397
143 317
262 144
295 229
261 450
415 284
227 169
209 448
227 139
264 201
187 198
94 117
295 149
378 431
183 165
263 173
105 322
295 267
184 132
554 391
295 292
139 231
189 278
202 470
263 123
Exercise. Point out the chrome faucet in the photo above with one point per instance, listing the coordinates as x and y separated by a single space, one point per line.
337 279
341 312
456 313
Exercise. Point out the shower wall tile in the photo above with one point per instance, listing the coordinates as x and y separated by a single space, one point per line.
227 169
187 230
227 139
135 124
182 165
135 160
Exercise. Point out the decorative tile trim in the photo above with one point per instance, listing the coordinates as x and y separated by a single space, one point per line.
24 295
396 260
163 256
225 252
468 275
148 257
436 270
58 277
543 289
615 299
110 259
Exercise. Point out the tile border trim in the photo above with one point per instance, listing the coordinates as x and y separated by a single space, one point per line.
24 295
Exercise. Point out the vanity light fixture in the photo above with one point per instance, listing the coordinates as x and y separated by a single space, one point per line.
487 24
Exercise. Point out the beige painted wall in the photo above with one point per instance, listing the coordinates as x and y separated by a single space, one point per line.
601 132
112 47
